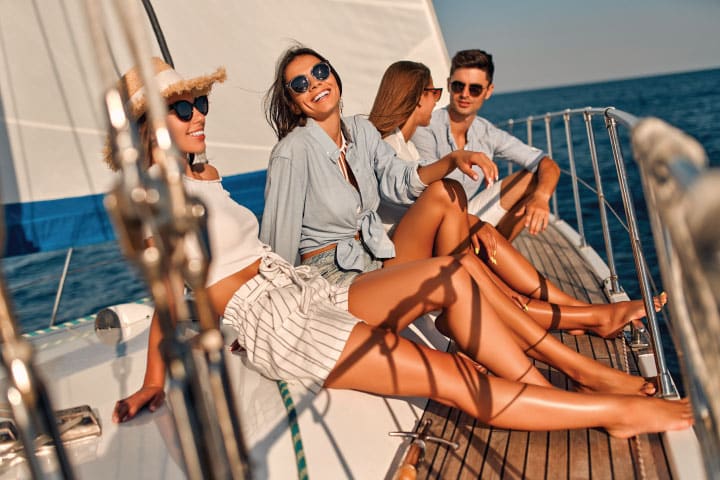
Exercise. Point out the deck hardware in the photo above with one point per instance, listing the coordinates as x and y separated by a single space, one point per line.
416 451
73 424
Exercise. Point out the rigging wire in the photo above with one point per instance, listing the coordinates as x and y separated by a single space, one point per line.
157 29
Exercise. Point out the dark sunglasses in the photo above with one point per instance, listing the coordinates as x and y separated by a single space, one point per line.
184 109
437 92
301 83
475 89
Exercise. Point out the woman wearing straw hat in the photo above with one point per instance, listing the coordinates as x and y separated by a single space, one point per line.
295 326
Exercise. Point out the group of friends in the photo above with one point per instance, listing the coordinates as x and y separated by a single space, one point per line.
371 222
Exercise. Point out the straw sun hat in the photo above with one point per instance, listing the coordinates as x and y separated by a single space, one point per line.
169 82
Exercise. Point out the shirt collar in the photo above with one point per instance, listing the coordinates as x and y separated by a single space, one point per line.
326 143
445 118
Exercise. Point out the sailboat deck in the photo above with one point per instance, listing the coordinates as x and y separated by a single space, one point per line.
487 452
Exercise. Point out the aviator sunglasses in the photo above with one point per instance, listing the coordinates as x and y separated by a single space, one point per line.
475 89
436 92
184 109
301 83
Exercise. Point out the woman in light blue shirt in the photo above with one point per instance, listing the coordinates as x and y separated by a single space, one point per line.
323 189
325 180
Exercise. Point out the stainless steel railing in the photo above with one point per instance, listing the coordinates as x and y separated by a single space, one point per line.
683 202
613 119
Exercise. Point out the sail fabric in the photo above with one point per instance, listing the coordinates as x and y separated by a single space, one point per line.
52 126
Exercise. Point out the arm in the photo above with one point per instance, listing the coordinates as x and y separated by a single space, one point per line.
463 160
284 206
537 208
152 393
428 172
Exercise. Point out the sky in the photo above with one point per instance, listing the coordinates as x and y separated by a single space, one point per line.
544 43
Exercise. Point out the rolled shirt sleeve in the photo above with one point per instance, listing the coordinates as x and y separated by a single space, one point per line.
284 206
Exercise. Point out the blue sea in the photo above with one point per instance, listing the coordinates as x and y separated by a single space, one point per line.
99 276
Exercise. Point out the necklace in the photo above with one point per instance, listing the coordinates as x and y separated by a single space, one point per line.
341 160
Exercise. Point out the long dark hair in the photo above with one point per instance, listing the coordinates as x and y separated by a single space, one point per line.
398 95
280 110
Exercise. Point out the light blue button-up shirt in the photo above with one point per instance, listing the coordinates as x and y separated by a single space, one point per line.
436 141
309 204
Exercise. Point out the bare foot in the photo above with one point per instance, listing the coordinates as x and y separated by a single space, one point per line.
609 380
624 313
650 415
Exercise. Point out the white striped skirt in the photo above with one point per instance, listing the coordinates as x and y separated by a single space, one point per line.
291 321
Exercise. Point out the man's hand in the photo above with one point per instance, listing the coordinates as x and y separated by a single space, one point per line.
536 212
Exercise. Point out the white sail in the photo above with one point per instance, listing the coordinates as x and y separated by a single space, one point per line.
52 127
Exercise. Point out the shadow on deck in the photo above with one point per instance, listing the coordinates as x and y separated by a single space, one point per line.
487 452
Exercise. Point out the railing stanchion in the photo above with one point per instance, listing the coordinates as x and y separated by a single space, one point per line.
548 141
511 124
61 286
573 174
529 123
614 285
666 387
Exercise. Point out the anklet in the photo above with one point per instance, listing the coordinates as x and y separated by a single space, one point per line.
523 306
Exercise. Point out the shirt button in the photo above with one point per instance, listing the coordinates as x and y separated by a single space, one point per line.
359 210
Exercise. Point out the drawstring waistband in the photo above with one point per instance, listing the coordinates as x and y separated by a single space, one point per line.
273 264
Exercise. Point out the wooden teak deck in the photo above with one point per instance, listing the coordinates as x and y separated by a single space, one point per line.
488 453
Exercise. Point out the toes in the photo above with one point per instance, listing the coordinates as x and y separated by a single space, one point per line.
649 388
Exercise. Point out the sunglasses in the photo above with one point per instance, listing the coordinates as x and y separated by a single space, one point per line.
436 92
475 89
184 109
301 83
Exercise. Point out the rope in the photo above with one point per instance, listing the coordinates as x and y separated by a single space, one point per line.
636 439
300 460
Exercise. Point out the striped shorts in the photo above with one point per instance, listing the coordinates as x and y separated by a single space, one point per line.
291 321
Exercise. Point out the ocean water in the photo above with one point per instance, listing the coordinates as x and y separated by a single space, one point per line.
99 275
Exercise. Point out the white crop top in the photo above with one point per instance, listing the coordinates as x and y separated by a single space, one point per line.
233 229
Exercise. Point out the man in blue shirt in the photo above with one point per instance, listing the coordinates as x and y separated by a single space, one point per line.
520 200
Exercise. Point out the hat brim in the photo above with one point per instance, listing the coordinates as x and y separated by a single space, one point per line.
197 86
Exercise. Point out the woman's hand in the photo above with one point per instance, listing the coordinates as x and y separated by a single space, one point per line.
126 409
464 161
483 238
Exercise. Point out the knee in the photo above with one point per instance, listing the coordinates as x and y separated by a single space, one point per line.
447 191
465 282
